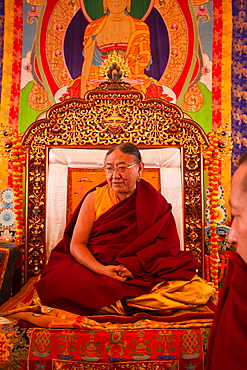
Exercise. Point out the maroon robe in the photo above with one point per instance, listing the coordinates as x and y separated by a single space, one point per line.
140 233
228 338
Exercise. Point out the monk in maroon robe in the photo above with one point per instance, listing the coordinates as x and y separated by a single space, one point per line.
130 247
228 340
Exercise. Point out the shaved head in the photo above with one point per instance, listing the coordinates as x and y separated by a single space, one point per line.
243 162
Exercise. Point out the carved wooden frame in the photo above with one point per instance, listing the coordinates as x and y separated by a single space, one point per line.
105 118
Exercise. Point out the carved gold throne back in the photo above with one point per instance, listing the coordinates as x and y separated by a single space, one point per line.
105 118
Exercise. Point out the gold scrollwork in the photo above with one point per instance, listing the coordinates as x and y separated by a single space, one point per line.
103 119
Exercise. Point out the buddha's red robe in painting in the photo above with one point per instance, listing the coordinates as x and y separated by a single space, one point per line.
228 340
140 233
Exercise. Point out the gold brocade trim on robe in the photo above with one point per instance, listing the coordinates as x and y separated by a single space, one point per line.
168 296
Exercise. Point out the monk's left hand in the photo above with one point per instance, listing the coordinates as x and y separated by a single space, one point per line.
118 272
125 273
114 272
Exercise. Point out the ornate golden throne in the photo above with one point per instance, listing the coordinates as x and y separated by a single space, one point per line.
106 117
103 119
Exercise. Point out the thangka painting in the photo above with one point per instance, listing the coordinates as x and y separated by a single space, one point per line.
189 52
164 49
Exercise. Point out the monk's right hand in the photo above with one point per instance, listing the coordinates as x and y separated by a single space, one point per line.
113 272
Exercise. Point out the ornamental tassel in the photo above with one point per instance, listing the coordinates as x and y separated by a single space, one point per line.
212 164
18 160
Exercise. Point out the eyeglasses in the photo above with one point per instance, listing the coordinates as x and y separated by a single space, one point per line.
119 169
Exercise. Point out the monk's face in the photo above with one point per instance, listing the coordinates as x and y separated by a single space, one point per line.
123 183
238 200
116 6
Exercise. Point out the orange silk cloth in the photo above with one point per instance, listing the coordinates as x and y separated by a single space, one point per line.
190 312
104 200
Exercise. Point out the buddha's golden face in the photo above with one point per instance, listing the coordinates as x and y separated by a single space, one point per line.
116 6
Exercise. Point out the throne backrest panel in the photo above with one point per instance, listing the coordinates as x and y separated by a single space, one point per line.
103 119
167 162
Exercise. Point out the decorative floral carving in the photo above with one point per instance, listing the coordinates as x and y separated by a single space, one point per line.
77 122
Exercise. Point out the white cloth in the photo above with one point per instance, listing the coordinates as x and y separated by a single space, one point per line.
168 160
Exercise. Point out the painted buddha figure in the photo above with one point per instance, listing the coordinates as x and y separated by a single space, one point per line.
120 32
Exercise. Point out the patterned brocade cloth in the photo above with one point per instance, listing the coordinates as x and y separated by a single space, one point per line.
25 309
